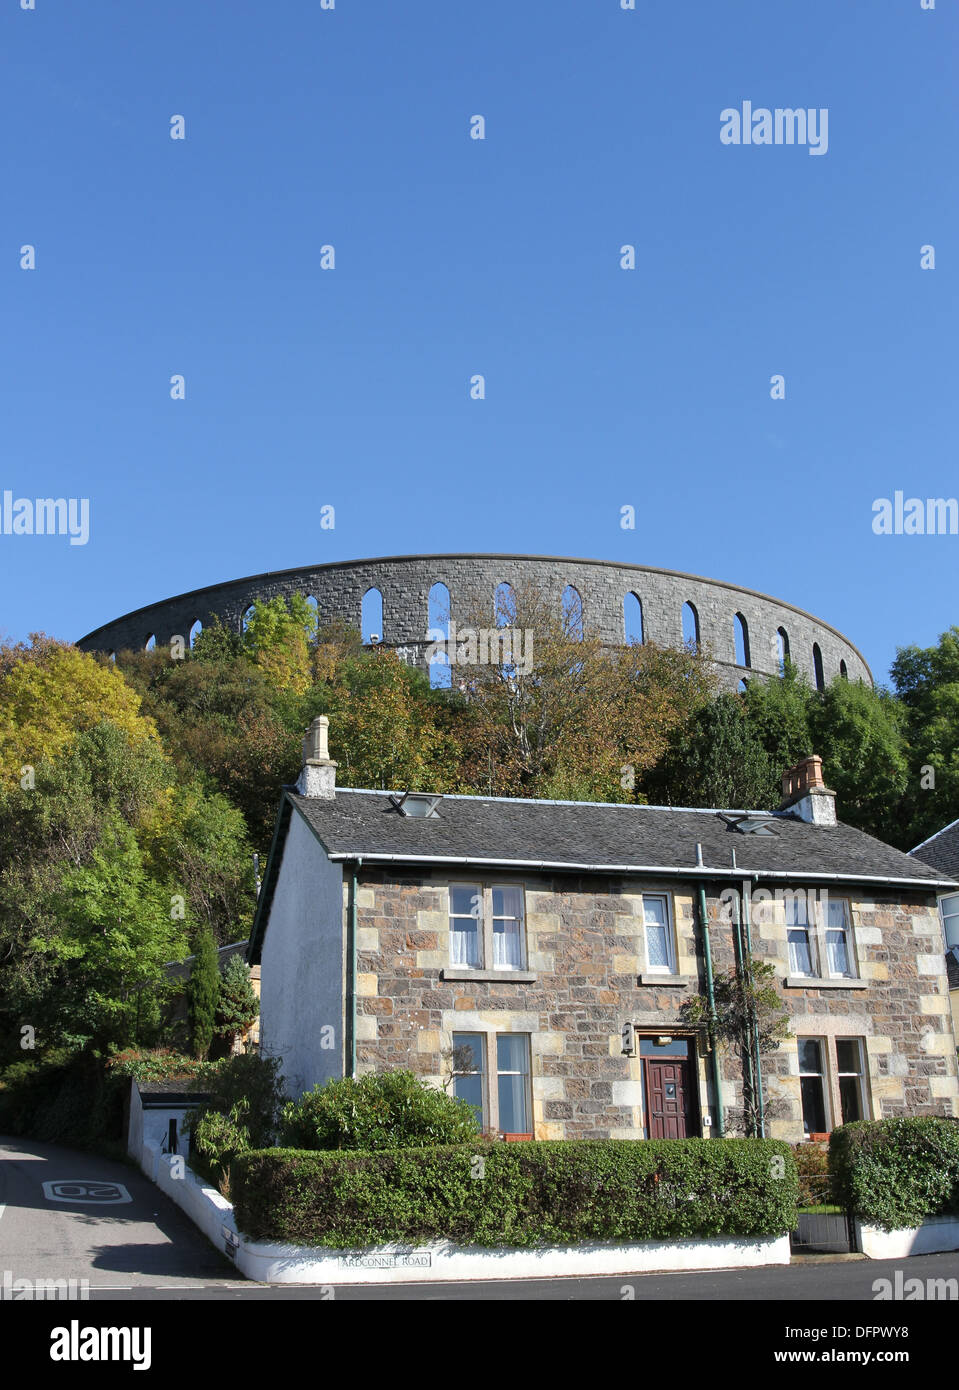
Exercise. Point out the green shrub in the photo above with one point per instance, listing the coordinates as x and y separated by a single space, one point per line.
153 1064
242 1112
895 1173
218 1139
385 1110
528 1194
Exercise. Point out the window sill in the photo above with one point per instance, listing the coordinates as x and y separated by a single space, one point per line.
523 977
650 977
814 982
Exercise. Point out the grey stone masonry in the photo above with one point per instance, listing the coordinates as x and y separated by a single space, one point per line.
405 583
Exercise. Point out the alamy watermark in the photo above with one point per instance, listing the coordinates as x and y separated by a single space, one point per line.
45 516
807 126
908 1290
768 905
27 1290
468 646
915 516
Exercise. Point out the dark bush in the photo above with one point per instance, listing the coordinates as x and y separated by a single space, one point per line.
64 1099
895 1173
535 1193
385 1110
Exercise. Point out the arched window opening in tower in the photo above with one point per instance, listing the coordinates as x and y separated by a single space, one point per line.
633 620
371 618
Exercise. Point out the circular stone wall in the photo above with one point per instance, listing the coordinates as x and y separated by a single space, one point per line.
404 581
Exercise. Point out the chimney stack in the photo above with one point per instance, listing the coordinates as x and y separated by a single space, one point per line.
318 774
806 794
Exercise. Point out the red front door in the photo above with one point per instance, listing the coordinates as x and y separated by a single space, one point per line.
667 1097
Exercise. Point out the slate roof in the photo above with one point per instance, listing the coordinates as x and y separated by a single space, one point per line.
583 837
177 969
941 850
160 1095
590 835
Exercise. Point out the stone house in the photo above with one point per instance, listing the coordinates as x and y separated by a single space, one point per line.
534 957
941 851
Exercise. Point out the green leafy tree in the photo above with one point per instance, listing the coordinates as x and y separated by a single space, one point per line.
926 681
203 992
716 759
115 937
779 711
51 692
860 734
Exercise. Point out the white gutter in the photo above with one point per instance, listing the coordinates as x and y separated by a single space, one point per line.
661 870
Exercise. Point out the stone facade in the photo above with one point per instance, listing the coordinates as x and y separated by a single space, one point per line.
585 979
405 582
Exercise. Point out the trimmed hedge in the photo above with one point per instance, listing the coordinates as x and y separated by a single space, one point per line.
895 1173
533 1193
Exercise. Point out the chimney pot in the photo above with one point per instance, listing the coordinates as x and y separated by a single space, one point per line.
318 774
806 794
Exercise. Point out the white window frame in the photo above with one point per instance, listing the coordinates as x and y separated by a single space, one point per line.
489 1073
860 1075
475 890
951 916
825 1083
482 1071
816 928
852 973
484 918
809 929
496 1073
670 968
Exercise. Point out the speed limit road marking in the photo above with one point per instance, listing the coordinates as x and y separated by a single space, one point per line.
85 1190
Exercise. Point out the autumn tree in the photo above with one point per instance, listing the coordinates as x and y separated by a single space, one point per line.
278 636
51 692
558 713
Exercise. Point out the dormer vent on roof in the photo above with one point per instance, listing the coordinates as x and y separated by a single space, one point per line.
421 805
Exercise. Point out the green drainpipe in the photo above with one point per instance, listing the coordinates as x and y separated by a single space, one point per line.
351 981
720 1127
748 1056
749 977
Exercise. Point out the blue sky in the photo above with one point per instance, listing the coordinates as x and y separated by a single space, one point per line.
604 387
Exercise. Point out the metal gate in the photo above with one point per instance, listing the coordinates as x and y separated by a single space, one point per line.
825 1227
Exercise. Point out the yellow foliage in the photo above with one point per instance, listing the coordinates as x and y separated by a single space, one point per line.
47 699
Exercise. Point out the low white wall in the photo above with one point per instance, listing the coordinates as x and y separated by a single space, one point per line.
403 1264
400 1264
927 1239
